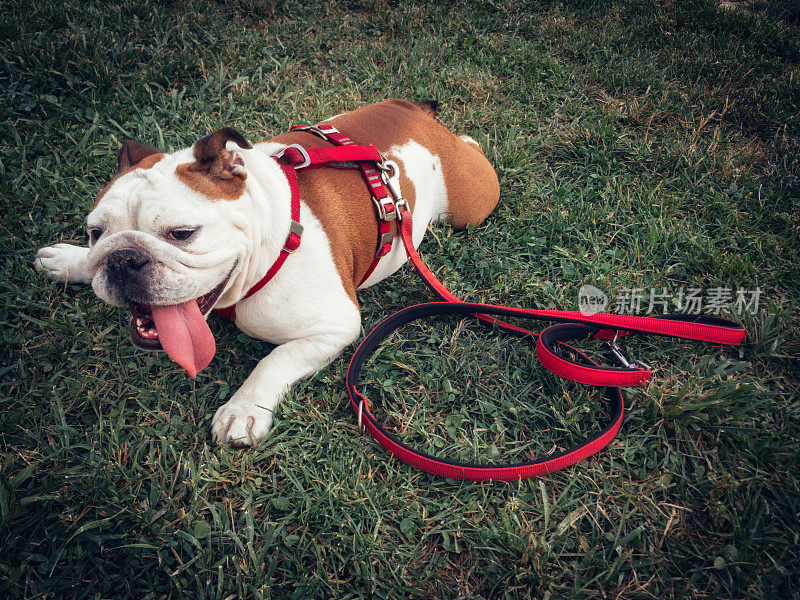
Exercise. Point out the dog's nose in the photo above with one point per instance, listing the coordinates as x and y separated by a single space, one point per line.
125 264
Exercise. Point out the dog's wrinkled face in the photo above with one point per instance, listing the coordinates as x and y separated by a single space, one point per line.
163 244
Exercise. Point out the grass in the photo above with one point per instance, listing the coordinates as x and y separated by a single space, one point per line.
638 145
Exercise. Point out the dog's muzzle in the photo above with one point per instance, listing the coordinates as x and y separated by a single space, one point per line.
130 272
125 265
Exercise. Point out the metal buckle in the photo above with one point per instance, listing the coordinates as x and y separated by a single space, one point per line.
381 206
316 129
386 238
303 151
297 229
323 131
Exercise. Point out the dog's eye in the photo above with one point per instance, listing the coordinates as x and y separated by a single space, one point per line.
180 234
94 234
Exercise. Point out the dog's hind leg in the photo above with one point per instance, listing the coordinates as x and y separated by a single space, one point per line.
472 186
64 262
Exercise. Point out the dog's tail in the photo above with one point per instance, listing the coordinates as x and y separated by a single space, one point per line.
429 106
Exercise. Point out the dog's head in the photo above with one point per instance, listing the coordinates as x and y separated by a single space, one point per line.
165 240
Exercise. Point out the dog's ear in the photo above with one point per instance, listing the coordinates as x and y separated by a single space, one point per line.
212 154
132 153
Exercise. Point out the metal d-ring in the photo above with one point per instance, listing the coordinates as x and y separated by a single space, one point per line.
388 167
303 152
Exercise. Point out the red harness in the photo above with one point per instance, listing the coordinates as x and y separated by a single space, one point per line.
570 324
344 152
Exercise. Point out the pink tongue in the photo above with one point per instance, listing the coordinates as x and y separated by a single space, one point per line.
184 335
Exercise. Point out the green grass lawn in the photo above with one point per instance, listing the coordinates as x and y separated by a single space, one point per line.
639 145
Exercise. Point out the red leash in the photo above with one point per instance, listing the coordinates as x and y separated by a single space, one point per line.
570 325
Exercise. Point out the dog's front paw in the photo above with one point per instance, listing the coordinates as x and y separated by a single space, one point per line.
64 262
242 421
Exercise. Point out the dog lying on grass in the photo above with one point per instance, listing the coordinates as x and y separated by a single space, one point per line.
173 236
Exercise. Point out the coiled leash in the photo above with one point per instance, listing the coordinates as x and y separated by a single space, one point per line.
570 325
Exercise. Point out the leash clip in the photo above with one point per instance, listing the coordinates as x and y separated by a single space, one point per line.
389 170
617 353
400 205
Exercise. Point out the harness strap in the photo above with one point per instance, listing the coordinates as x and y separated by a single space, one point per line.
310 158
384 204
345 154
292 243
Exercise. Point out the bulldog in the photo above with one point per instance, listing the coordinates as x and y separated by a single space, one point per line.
174 235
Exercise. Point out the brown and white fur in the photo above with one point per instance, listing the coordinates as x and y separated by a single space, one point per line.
235 201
